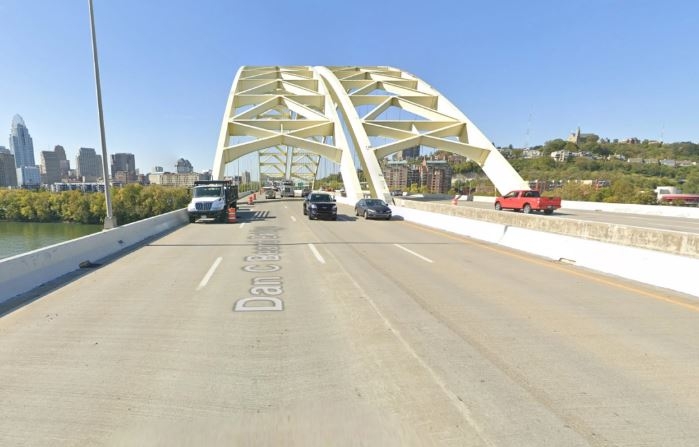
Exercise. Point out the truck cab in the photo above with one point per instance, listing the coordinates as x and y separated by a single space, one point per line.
212 199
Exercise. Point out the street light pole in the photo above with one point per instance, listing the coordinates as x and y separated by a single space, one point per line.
109 219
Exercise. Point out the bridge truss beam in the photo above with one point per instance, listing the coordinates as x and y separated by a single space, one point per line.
294 115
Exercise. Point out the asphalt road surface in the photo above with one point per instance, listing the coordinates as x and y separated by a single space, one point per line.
278 330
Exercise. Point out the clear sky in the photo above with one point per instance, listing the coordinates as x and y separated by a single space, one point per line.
523 71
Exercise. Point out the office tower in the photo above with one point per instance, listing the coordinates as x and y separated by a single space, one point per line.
184 166
126 165
50 167
29 177
21 143
8 172
88 165
63 162
410 153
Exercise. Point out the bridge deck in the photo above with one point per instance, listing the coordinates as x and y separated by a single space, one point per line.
390 334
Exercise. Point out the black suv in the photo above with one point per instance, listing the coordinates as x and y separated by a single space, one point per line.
320 205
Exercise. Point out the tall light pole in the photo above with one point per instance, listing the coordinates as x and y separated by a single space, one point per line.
109 219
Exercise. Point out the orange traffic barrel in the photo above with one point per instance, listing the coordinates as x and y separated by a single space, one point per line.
232 218
250 200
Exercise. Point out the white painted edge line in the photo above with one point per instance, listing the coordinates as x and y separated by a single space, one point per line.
316 253
210 273
414 254
293 218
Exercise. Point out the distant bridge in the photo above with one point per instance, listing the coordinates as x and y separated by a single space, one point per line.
294 115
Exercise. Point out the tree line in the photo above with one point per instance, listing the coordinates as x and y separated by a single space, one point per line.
129 203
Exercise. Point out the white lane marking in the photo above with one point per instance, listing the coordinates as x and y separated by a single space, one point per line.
316 254
293 218
414 254
242 224
210 273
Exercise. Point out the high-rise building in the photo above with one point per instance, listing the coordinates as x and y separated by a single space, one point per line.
21 143
184 166
125 164
8 171
436 175
410 153
50 167
29 177
63 162
396 175
88 164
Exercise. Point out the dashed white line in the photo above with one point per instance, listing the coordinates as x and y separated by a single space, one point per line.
242 224
414 254
316 254
293 218
210 273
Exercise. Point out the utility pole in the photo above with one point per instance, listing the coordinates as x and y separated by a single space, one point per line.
109 220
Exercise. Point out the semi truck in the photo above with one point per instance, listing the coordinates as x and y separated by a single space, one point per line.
212 199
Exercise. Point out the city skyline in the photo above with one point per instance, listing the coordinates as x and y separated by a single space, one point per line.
524 73
22 148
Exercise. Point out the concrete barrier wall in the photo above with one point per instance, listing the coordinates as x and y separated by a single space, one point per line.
662 269
673 242
22 273
652 210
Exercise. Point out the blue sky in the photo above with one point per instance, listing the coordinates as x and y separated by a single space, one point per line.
523 72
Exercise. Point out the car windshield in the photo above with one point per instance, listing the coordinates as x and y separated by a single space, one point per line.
375 202
320 198
207 191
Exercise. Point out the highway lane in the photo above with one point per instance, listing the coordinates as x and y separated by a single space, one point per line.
390 334
683 224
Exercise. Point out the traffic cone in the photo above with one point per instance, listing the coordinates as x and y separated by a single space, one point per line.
250 200
232 217
455 200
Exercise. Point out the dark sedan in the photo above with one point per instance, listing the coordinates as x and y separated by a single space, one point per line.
372 209
320 205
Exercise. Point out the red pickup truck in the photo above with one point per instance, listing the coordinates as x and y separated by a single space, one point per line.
527 201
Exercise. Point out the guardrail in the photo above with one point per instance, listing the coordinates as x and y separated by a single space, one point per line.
656 257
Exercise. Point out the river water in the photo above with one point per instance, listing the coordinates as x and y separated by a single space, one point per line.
21 237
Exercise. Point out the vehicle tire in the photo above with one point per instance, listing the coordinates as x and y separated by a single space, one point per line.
366 214
548 211
356 212
498 207
310 217
192 219
527 208
334 218
388 218
304 211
